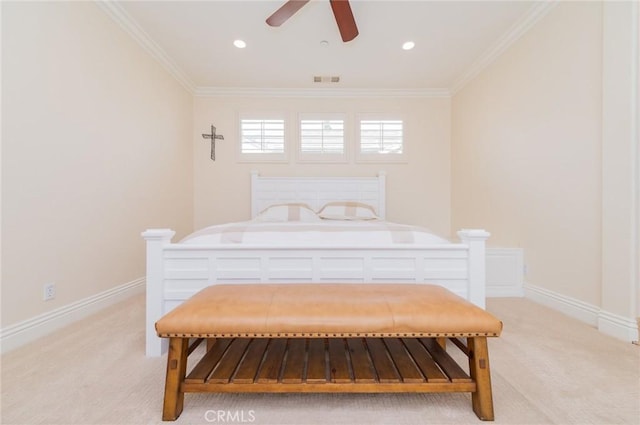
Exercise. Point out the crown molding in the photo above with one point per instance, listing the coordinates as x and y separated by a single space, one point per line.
131 27
128 23
122 18
321 92
535 13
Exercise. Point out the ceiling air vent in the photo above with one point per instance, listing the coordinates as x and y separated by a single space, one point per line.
324 79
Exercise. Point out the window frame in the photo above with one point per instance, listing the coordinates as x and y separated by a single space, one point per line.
378 156
275 157
324 157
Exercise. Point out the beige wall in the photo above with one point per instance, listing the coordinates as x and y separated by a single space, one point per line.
637 168
96 147
620 178
418 192
526 149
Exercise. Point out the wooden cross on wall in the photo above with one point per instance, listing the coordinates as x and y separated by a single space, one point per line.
213 136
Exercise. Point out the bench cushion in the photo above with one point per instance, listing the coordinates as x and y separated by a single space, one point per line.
327 310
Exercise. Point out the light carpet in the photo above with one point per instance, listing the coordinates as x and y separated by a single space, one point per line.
546 369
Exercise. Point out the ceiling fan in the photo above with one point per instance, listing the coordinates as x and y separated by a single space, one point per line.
341 11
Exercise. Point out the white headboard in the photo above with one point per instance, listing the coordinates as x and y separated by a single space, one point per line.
317 191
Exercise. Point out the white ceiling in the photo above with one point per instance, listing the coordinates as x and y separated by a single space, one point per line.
197 36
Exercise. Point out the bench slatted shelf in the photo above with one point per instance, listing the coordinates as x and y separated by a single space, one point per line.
256 343
303 367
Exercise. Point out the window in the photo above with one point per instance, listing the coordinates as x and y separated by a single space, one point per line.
322 137
381 139
262 139
380 136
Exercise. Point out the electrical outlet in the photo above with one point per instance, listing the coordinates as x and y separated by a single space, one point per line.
49 291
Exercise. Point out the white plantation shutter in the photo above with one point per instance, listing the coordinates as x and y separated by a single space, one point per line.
262 136
322 137
380 139
381 136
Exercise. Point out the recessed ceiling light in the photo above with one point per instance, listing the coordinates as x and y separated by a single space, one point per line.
240 44
408 45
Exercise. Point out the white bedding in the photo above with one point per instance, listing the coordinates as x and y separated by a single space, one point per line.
317 233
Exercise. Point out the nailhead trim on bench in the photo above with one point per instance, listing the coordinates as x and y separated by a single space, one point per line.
326 335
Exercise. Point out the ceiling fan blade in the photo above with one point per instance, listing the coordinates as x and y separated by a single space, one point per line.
344 19
285 12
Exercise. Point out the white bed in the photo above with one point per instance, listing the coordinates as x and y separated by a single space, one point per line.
256 251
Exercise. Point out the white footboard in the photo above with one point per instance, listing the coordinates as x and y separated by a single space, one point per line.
175 272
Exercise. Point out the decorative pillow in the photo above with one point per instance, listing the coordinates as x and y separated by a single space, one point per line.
347 211
287 212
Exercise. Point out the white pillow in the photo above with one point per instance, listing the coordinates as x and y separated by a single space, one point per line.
347 211
287 212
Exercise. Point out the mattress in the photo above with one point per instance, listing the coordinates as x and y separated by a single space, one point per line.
323 233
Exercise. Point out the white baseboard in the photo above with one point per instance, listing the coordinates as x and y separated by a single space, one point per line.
505 272
21 333
618 326
608 323
577 309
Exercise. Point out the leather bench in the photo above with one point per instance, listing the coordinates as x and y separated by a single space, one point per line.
328 338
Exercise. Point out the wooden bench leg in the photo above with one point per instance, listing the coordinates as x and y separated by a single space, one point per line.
481 399
176 370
